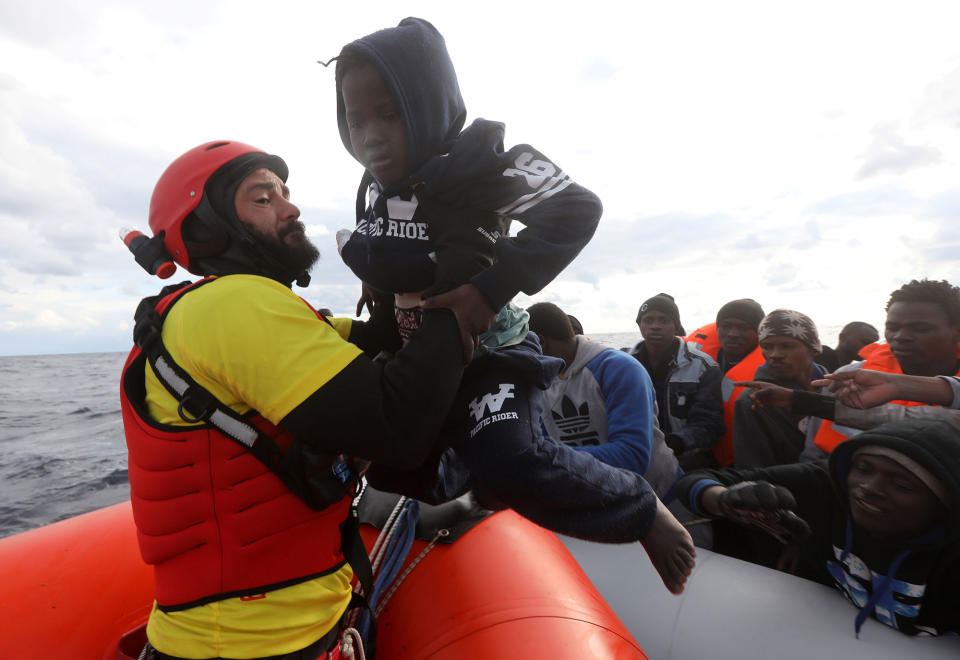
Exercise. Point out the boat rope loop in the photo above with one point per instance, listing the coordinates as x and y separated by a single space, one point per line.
351 645
387 557
389 552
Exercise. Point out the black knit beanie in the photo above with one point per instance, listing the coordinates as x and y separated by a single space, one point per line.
662 302
744 309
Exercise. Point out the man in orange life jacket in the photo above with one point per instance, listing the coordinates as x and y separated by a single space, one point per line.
922 332
732 342
244 567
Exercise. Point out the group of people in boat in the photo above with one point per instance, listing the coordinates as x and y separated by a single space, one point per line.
839 465
251 418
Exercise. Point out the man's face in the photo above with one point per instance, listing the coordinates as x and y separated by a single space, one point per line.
658 329
888 501
263 206
737 338
789 359
921 337
851 342
375 124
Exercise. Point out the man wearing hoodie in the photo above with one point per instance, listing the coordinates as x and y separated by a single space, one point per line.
603 402
883 519
432 213
686 380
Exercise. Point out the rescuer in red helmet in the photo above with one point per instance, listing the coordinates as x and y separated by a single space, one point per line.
243 418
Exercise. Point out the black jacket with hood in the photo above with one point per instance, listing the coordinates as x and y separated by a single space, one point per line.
445 224
910 585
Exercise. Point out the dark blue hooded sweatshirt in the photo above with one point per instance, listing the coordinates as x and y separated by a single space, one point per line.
463 190
912 585
422 235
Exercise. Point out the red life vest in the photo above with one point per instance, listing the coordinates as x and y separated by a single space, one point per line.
878 358
743 370
211 518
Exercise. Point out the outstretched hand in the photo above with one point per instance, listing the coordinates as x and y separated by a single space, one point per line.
473 313
862 388
765 394
766 506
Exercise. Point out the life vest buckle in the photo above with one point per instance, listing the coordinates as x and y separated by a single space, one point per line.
196 406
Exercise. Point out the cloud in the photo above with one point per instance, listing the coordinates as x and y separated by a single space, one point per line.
883 199
941 102
648 242
780 275
597 71
754 242
889 153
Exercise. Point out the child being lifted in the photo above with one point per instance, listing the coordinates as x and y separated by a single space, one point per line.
433 210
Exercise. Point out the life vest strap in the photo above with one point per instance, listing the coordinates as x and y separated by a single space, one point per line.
196 404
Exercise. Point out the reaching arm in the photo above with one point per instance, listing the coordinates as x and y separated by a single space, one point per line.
892 412
775 499
865 388
629 399
390 413
522 184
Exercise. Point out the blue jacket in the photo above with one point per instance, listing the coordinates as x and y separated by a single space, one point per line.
604 404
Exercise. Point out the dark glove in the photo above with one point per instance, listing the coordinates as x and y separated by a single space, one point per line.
757 495
767 506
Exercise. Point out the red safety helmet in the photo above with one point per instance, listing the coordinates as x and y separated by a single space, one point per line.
181 188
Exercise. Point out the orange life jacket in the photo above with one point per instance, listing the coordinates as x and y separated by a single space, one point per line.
706 339
743 370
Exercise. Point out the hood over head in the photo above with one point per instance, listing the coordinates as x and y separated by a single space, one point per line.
413 61
932 445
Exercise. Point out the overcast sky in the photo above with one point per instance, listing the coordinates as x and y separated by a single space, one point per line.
806 155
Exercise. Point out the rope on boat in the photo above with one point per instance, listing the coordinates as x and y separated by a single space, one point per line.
351 645
386 534
413 564
376 555
389 551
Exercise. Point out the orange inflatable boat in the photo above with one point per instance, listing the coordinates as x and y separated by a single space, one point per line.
505 589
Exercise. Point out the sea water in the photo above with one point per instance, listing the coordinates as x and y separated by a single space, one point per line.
62 451
61 438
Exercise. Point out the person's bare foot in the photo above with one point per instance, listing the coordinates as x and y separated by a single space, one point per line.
670 549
